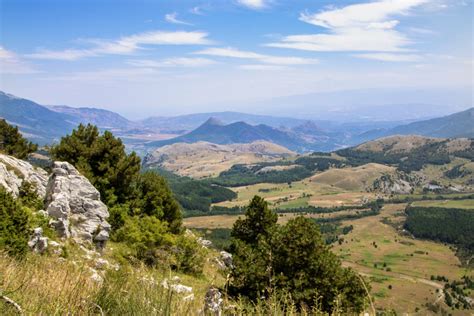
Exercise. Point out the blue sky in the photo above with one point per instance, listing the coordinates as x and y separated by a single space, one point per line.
169 57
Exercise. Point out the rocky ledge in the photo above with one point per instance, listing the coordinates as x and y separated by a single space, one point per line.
71 201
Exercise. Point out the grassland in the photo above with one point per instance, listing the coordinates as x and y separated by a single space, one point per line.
375 248
465 204
298 194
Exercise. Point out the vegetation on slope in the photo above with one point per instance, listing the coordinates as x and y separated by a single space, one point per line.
12 142
196 195
296 170
450 225
410 158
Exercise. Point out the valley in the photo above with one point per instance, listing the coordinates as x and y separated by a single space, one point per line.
366 199
237 158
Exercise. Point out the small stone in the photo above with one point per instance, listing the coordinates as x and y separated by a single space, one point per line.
213 301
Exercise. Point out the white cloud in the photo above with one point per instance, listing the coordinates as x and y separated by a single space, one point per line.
126 45
390 57
254 4
173 18
11 63
266 59
196 10
172 62
358 27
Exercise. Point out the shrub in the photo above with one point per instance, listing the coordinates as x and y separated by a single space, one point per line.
189 255
14 225
144 236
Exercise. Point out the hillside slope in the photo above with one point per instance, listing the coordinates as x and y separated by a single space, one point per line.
37 122
459 124
204 159
99 117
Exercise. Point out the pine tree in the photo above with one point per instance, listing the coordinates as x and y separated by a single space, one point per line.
13 143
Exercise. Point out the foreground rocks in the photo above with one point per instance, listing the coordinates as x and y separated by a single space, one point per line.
75 207
14 171
71 201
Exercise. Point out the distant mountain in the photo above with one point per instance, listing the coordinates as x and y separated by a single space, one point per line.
214 131
37 122
102 118
192 121
459 124
45 125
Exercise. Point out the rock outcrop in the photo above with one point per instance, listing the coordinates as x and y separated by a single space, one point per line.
398 183
75 207
14 171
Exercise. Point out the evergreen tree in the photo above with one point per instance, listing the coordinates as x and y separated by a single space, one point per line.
259 221
293 258
156 199
13 143
103 160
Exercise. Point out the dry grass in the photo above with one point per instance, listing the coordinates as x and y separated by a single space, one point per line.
203 159
47 286
353 179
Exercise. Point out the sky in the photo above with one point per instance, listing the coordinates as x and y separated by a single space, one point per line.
147 57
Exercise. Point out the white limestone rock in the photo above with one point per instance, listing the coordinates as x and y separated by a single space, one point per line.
14 171
74 206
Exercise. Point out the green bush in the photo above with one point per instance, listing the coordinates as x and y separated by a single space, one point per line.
154 198
189 254
144 236
13 143
149 240
14 225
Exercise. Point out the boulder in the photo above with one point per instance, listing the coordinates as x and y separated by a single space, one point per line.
175 286
38 243
14 171
227 259
75 207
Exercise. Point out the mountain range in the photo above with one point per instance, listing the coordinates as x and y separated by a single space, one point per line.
46 124
214 131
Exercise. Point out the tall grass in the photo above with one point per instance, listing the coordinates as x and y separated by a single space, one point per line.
48 285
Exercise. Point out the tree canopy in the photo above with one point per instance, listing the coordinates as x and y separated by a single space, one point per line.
13 143
103 160
291 258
